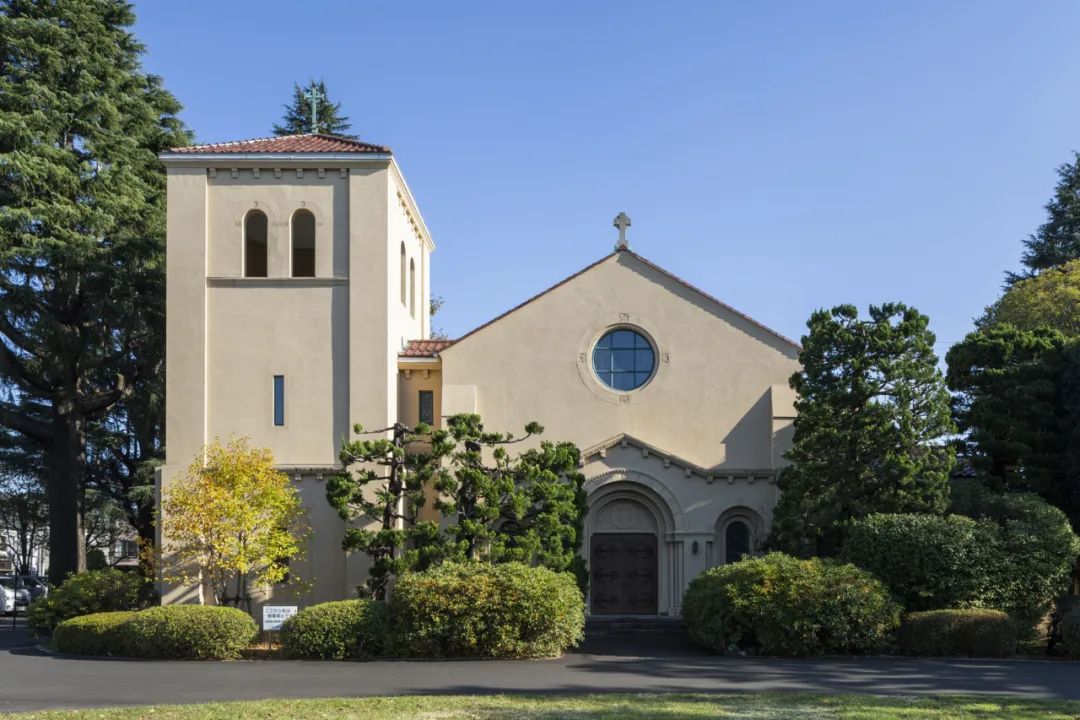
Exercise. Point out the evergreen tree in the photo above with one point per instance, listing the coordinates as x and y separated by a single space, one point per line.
297 118
1049 299
387 476
527 508
1058 239
1017 404
81 234
873 418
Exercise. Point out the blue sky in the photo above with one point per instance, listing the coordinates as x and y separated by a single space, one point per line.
783 156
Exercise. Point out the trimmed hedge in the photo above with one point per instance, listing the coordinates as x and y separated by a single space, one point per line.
507 610
94 591
1070 632
928 561
95 634
971 633
356 629
188 632
780 605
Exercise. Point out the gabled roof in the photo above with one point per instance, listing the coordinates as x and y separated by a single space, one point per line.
653 266
668 459
308 143
424 348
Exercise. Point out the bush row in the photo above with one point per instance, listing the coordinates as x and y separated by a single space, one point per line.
176 632
453 610
971 633
96 591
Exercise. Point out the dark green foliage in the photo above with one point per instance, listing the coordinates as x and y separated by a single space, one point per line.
527 508
94 634
297 118
927 561
950 633
346 629
89 592
1058 239
873 414
1010 405
81 236
1070 633
383 487
780 605
508 610
188 632
1032 553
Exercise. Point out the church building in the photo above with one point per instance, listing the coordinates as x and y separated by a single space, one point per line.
298 304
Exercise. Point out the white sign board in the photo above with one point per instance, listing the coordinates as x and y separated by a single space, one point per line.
275 615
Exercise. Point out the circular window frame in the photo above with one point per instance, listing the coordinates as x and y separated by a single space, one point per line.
637 329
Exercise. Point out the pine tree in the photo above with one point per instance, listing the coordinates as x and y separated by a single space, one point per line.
1058 239
81 234
873 418
297 118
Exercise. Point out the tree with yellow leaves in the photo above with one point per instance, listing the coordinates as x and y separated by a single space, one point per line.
233 521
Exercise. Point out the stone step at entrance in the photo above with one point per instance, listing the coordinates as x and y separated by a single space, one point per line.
631 625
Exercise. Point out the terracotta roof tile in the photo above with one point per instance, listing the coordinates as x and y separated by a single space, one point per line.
286 144
424 348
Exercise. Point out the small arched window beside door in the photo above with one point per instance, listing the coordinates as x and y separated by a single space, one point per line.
303 244
255 244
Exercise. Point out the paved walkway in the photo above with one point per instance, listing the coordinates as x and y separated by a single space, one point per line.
31 680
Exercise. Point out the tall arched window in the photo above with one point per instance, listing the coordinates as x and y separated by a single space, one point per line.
412 288
401 266
736 541
255 246
303 244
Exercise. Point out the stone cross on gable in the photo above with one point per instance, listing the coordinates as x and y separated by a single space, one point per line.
622 221
315 96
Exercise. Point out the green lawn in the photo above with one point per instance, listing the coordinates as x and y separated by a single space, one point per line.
593 707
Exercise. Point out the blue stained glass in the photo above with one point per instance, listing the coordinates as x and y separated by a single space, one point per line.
623 359
279 399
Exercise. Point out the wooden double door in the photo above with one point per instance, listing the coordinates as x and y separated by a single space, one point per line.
623 569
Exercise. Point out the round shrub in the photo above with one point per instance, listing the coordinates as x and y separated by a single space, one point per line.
927 561
507 610
969 632
1032 553
780 605
355 629
93 591
188 632
1070 632
95 634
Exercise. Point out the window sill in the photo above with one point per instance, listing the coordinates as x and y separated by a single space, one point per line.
275 281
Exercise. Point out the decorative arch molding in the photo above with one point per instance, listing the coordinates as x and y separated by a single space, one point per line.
630 483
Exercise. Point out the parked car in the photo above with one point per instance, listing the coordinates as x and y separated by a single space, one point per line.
12 597
35 585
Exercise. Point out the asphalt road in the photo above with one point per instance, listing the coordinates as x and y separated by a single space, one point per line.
32 680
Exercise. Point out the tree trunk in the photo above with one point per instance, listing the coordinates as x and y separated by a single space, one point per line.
66 473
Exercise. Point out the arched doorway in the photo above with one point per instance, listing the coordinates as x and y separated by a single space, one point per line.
624 559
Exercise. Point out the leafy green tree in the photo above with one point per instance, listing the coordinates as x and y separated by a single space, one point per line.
297 118
1049 299
24 514
526 508
870 435
1057 240
1008 405
232 521
385 483
81 233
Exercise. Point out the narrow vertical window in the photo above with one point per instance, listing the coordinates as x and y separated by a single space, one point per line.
402 267
255 246
412 288
303 244
279 400
736 541
427 407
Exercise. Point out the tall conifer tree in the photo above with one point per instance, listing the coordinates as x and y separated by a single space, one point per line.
1057 240
297 118
871 430
82 217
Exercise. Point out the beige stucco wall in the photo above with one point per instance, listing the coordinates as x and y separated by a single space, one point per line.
709 401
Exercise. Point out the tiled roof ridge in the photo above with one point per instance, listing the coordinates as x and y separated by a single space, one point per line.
286 141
